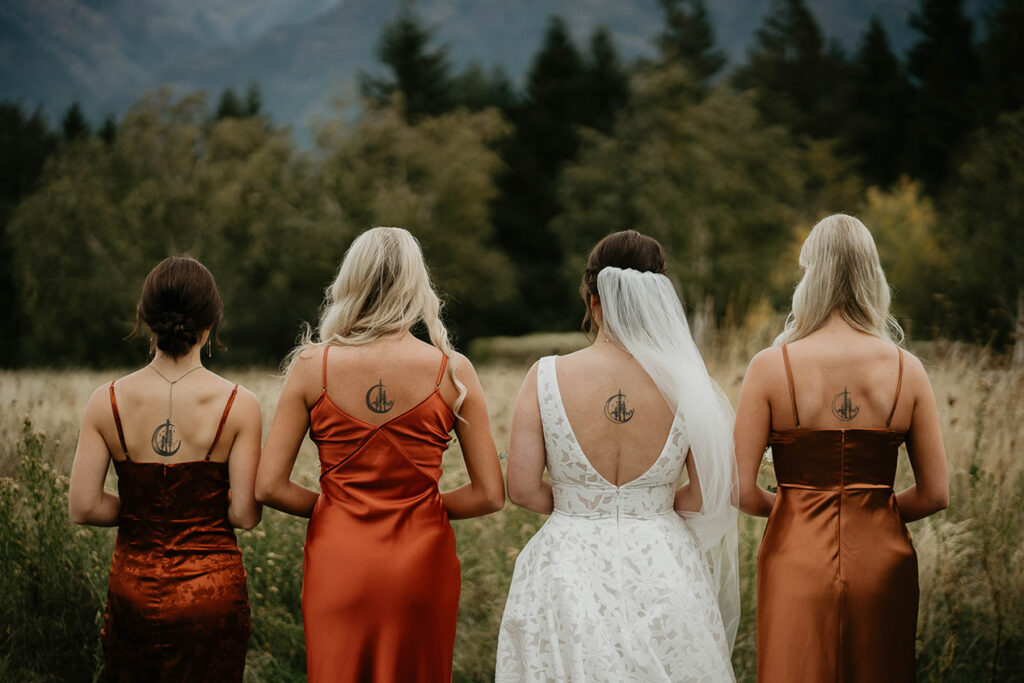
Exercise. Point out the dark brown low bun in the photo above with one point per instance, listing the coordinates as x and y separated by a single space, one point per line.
624 249
179 301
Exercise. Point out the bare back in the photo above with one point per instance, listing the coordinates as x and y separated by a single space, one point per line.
377 382
615 410
195 406
840 379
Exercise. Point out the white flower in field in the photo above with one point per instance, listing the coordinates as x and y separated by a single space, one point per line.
260 533
273 589
259 570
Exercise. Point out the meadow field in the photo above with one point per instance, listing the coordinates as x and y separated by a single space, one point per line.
971 621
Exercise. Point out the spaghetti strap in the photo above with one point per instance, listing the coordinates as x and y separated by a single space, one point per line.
323 379
440 375
899 385
792 388
223 419
117 421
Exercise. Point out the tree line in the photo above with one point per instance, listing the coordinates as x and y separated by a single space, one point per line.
507 187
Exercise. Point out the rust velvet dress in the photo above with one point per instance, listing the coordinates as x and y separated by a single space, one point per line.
381 579
837 585
177 604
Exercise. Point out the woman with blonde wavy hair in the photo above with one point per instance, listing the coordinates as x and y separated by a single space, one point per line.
381 579
835 398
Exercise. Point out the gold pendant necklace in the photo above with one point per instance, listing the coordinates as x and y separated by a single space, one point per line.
163 436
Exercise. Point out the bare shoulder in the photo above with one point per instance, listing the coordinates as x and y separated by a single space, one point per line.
915 376
463 365
247 402
766 364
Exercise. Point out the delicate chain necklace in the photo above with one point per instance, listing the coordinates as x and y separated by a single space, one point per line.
163 436
616 345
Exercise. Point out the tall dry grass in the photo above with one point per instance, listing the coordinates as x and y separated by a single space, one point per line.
971 623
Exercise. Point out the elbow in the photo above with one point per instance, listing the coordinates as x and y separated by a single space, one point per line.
264 492
79 513
496 500
940 501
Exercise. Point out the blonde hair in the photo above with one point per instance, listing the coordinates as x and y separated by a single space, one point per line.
841 273
382 289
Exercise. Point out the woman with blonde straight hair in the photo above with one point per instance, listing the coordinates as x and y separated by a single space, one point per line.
381 579
834 399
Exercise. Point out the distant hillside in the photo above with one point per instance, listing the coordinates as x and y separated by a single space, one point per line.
105 53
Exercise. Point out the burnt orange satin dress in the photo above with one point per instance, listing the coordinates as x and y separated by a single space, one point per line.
381 580
837 585
177 604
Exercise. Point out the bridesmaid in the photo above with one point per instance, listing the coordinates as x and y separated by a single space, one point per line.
185 444
381 579
837 574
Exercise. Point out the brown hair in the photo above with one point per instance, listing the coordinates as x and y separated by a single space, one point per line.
624 249
179 300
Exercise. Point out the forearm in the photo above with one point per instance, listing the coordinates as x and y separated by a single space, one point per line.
915 504
471 501
104 511
289 497
757 502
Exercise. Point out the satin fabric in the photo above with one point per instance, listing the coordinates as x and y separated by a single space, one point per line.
837 588
177 605
381 579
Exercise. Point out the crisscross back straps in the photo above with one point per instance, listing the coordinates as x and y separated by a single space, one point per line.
223 419
117 421
899 385
792 388
323 378
440 375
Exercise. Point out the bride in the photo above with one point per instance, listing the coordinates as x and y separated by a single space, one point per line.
630 578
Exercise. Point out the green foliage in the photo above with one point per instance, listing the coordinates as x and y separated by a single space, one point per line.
74 125
796 81
879 105
706 178
55 575
433 177
913 253
689 38
986 214
945 68
420 74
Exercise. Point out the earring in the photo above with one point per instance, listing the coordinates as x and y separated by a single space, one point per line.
209 348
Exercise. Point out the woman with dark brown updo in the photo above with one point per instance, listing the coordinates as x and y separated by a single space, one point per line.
185 444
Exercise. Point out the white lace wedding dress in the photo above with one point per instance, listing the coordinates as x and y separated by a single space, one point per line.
613 587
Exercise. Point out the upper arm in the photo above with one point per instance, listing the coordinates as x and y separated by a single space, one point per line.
474 430
753 417
92 455
526 453
290 424
244 458
924 438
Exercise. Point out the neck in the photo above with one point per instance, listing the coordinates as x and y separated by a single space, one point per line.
193 358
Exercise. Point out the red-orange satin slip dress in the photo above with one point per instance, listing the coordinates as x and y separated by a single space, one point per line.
837 574
381 580
177 605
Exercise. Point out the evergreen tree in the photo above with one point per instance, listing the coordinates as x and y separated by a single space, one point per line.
944 67
108 131
477 89
419 73
25 144
608 82
689 38
229 106
547 129
798 82
879 105
74 124
1002 55
253 100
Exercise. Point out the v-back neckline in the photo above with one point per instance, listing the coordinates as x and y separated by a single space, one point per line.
579 449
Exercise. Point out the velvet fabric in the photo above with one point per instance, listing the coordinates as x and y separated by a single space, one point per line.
177 604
